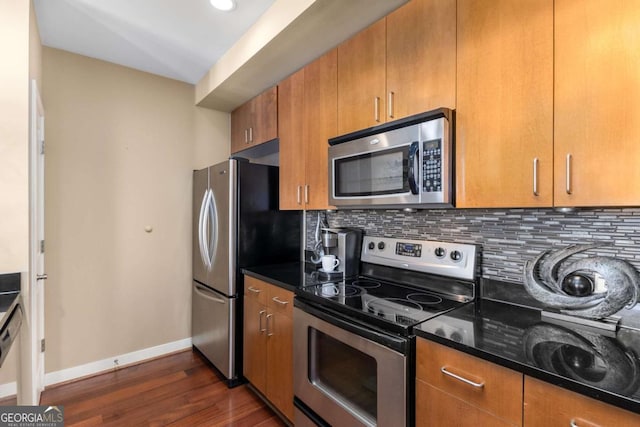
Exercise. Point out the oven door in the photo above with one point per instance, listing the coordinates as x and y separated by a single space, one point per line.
344 375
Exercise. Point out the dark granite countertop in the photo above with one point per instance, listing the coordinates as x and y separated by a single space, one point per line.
598 364
10 312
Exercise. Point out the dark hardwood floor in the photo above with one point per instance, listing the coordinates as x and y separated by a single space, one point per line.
176 390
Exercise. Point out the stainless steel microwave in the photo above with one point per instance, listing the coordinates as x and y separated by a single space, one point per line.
403 164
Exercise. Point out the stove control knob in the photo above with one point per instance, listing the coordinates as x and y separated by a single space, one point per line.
372 246
381 245
456 255
440 252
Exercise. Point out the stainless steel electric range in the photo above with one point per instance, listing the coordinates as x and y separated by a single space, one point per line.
354 355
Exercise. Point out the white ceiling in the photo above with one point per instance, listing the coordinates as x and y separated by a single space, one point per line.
179 39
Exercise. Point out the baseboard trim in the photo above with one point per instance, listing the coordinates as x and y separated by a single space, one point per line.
108 364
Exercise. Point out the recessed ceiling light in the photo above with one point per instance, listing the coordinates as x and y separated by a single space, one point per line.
225 5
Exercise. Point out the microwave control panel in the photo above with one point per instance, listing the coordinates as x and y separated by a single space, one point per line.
432 166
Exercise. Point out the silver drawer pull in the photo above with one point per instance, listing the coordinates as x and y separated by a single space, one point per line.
254 290
459 378
573 423
269 333
262 312
279 301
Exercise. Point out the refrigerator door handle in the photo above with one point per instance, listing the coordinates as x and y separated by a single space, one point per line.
207 294
212 242
201 236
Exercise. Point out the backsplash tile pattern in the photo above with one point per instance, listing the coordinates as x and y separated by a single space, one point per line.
507 237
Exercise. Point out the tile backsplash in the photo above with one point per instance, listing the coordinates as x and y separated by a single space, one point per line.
507 237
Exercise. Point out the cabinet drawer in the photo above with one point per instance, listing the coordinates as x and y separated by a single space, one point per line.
546 404
255 289
482 384
437 408
280 301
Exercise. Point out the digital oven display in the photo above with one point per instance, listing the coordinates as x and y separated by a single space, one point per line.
409 249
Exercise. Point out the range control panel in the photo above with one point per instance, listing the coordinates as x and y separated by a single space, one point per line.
456 260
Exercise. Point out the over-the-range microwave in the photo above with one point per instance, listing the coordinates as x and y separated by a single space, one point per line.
406 164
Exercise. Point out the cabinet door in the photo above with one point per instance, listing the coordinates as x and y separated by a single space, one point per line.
280 351
264 117
292 143
491 388
437 408
240 118
254 341
321 122
421 58
597 103
547 405
504 116
361 79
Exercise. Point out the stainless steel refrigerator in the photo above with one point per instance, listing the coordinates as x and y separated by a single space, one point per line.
236 224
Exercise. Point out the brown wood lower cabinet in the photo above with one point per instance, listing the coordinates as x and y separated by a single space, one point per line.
548 405
268 342
454 388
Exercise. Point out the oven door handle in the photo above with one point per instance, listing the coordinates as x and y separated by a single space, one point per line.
355 326
414 154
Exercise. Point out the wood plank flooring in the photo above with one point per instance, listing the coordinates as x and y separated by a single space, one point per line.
176 390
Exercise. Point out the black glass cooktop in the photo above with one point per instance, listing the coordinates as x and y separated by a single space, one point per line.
393 306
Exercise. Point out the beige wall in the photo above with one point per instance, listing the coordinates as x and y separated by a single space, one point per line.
14 127
21 50
121 145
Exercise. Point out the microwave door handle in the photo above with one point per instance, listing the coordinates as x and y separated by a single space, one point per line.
414 155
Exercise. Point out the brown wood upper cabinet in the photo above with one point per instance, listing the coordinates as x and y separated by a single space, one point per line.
255 121
548 104
504 116
401 65
597 103
307 118
268 342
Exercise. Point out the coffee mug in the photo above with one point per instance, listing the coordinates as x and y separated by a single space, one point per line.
330 262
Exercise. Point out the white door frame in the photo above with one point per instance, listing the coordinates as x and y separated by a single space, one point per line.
32 357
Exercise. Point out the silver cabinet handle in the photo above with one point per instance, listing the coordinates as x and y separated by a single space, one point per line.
251 134
306 194
254 290
269 316
376 108
459 378
535 177
568 174
299 198
246 136
279 301
262 312
573 423
42 277
390 105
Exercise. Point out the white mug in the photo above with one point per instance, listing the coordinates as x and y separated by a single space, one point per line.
330 262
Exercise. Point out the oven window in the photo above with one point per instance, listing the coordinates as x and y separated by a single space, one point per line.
370 174
345 372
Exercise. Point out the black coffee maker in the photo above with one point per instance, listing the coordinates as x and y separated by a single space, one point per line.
345 244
